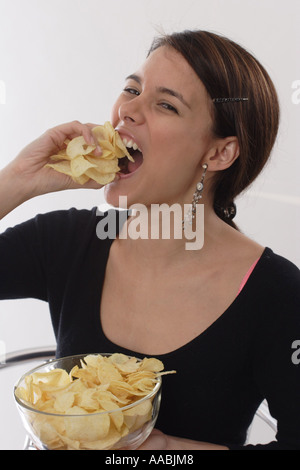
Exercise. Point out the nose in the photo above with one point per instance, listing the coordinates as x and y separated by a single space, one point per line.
131 111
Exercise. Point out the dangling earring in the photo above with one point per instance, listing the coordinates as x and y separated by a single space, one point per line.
188 219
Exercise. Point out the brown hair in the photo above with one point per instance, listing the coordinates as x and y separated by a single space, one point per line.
227 70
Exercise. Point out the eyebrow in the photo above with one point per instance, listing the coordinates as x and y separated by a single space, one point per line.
161 89
134 77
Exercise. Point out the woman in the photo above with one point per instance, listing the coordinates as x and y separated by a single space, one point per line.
200 109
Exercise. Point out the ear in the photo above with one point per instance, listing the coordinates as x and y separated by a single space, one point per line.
223 154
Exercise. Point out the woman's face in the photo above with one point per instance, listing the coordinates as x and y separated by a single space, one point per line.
165 110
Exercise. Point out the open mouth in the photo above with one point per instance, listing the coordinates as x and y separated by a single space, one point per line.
126 166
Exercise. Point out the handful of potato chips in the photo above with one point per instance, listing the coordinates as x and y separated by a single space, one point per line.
84 409
78 161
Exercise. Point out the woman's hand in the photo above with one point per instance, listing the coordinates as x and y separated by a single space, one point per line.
26 176
29 165
160 441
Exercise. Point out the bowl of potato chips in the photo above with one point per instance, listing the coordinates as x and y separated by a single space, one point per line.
90 402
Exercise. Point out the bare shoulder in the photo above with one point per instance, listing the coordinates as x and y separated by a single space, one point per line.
230 250
242 248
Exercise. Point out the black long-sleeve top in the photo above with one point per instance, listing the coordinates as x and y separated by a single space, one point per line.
247 355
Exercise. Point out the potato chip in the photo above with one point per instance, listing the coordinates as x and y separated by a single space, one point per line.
106 443
67 443
64 401
62 167
124 364
138 415
80 165
100 178
88 400
78 146
79 162
117 416
103 165
84 409
90 427
49 433
152 364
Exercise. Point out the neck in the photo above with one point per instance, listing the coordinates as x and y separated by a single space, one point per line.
159 240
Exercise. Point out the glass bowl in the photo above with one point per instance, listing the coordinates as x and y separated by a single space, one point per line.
89 431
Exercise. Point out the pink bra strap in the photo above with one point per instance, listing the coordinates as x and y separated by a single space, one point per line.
248 274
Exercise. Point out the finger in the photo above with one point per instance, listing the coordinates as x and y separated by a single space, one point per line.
86 132
156 441
98 150
71 130
91 126
92 185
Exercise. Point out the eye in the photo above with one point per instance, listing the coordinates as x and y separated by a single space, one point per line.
132 91
169 107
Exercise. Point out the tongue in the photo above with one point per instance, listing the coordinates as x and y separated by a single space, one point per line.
138 160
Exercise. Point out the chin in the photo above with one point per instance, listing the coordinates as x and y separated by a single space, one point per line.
117 198
111 196
124 193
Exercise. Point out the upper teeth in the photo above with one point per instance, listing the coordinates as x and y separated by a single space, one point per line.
130 144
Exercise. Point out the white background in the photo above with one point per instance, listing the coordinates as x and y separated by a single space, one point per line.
62 60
